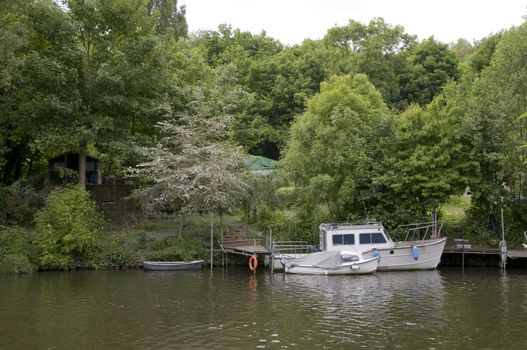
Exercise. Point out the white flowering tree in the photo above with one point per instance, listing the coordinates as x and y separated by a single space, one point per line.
192 167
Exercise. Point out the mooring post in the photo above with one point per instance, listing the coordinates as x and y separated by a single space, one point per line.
503 244
271 250
211 238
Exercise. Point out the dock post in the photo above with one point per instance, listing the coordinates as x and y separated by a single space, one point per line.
503 254
463 261
503 244
211 238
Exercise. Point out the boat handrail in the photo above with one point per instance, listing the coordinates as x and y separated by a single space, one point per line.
421 231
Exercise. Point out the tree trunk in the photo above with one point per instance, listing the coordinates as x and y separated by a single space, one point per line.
181 223
83 149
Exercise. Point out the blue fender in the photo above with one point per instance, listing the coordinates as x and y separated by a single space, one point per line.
415 252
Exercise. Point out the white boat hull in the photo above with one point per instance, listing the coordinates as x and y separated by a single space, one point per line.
363 267
401 256
277 259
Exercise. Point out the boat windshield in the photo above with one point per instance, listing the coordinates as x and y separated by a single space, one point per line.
371 238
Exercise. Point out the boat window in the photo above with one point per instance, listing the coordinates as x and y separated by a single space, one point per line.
349 239
343 239
349 258
365 238
371 238
377 238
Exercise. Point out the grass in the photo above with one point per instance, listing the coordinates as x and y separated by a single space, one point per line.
454 209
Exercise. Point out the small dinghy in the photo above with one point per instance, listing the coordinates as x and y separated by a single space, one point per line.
172 265
331 263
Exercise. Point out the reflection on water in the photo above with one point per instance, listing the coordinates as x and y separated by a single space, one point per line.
234 309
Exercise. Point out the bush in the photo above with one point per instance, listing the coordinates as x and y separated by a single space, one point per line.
301 225
177 249
121 250
67 229
19 203
16 263
17 254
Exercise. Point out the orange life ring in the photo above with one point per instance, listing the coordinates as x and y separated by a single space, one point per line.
253 263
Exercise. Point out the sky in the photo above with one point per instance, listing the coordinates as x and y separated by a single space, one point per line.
292 21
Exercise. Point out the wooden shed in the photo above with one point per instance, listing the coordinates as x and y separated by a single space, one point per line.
65 169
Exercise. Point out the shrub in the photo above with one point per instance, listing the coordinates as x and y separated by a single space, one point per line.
121 250
177 249
16 263
67 229
16 252
301 225
19 203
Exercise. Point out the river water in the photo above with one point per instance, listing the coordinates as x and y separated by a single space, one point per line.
233 309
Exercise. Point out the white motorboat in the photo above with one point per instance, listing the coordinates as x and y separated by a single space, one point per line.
331 263
416 252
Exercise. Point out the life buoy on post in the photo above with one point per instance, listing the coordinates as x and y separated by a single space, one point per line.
253 263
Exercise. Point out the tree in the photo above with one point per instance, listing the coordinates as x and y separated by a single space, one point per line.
377 50
432 66
91 72
429 162
191 168
482 55
336 143
495 105
169 18
462 49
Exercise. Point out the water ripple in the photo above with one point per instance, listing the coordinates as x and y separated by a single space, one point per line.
233 309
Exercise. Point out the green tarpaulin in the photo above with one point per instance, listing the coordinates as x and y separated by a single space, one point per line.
260 163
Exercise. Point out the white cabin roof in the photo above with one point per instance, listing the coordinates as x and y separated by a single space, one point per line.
351 227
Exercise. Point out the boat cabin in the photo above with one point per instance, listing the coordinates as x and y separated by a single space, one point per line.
363 237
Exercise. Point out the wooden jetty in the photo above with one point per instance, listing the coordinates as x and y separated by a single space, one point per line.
485 256
239 241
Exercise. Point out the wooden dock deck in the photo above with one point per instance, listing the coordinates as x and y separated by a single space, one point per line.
245 247
511 253
239 241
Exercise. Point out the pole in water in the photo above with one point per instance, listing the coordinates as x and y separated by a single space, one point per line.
503 244
211 237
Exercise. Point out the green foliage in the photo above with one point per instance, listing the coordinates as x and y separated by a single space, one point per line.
428 165
378 50
67 229
177 249
16 263
433 65
121 250
17 254
299 225
261 191
335 145
18 203
169 18
494 104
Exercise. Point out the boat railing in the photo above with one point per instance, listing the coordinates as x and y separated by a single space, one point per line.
420 231
291 247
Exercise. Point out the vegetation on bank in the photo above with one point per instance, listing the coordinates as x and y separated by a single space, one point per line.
367 122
